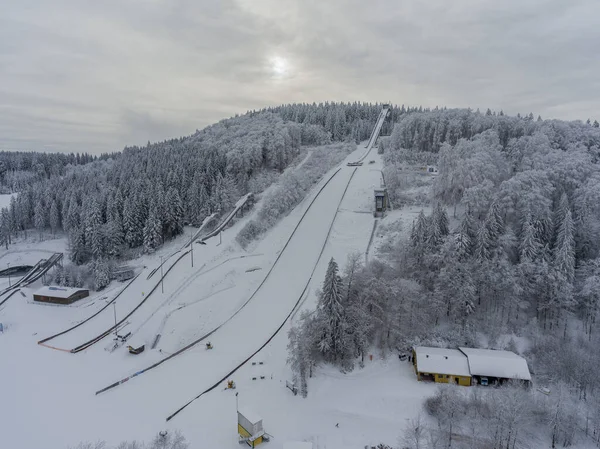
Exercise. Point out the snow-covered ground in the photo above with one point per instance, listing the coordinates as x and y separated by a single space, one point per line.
51 401
5 200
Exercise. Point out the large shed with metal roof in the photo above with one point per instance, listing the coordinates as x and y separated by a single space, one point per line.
490 366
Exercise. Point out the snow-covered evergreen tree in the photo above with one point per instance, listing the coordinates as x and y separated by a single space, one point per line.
465 237
93 228
564 250
78 253
152 231
329 315
101 274
173 222
40 216
530 248
54 217
132 227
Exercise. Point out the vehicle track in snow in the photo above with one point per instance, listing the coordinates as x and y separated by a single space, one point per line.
185 284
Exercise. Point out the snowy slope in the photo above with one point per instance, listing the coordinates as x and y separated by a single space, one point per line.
198 299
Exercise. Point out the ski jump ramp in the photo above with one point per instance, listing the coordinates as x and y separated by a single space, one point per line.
38 270
374 135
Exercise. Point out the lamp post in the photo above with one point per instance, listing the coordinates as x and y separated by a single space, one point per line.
162 284
115 310
192 248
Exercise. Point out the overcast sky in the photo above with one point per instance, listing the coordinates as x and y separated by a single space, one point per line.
98 75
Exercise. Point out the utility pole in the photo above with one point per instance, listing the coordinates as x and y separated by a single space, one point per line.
192 248
115 310
9 285
162 284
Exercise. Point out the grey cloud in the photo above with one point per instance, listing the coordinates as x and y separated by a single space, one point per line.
101 75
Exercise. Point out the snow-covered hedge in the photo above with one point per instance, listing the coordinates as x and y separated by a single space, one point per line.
292 188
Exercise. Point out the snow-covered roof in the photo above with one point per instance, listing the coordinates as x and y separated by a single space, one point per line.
57 292
250 415
495 363
297 445
441 361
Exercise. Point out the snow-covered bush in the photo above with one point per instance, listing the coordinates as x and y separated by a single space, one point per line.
70 276
250 232
291 189
101 274
162 440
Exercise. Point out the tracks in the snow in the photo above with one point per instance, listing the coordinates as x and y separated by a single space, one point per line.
41 342
208 334
296 304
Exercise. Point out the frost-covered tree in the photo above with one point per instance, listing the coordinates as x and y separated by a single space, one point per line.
169 440
54 217
101 274
301 352
564 250
530 248
40 216
77 248
329 314
93 228
419 235
173 222
465 237
152 231
132 224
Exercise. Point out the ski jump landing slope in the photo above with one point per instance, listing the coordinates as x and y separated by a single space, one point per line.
198 369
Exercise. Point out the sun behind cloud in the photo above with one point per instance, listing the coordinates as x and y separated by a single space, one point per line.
279 67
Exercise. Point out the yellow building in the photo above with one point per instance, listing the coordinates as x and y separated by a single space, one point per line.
250 427
441 365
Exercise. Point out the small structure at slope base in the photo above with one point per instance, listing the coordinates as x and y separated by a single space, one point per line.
492 366
470 366
250 427
441 365
60 295
381 201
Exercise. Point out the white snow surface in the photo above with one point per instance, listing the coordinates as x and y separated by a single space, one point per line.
51 401
442 361
5 200
496 363
297 445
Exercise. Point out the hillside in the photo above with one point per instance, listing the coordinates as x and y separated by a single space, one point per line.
498 248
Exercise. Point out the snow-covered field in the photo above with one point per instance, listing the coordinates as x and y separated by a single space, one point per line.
48 395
